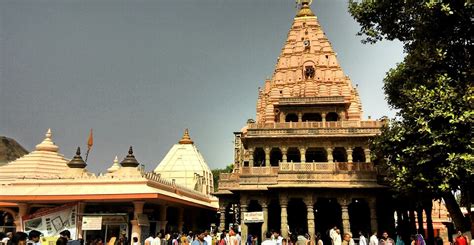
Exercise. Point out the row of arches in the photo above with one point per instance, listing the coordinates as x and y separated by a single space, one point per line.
312 117
312 154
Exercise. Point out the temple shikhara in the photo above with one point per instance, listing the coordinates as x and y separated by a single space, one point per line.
304 164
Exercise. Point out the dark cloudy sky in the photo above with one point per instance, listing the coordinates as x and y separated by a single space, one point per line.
140 71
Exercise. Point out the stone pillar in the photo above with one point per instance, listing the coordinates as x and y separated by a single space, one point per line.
367 155
284 152
323 116
303 154
137 210
162 217
329 152
346 225
250 150
264 205
243 226
282 117
284 215
309 207
222 217
300 117
349 154
180 219
373 214
81 206
22 211
267 156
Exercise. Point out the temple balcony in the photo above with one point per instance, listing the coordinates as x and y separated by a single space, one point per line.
309 174
313 100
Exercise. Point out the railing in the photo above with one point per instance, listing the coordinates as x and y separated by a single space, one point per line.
259 170
300 125
311 100
314 131
326 167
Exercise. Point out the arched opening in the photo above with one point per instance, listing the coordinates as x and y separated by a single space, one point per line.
316 155
293 155
312 117
297 216
327 214
258 157
359 216
332 117
274 216
230 215
255 229
7 221
339 154
358 155
275 157
291 117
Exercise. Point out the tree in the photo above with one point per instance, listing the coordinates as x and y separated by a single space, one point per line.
428 147
216 172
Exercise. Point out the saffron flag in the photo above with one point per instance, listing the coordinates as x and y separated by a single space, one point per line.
90 141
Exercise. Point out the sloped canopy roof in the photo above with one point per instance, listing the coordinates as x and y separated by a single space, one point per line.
10 150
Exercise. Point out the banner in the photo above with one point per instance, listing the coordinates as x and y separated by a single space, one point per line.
253 217
52 221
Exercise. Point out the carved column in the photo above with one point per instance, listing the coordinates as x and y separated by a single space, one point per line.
250 150
300 117
303 154
323 116
367 155
373 214
162 217
264 204
81 206
267 156
243 226
180 219
23 209
346 225
137 211
349 154
284 215
222 209
309 206
282 117
329 152
284 152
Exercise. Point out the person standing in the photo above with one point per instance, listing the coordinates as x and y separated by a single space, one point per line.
362 239
346 239
337 238
34 238
386 240
268 239
332 234
460 239
200 239
373 239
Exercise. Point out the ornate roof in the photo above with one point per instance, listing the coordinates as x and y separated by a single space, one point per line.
44 161
307 67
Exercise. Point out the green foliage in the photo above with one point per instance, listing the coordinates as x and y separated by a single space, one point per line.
428 147
216 172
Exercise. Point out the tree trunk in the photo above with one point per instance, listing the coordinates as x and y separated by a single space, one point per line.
428 205
454 211
419 214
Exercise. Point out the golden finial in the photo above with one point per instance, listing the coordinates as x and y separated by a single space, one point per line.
186 139
305 10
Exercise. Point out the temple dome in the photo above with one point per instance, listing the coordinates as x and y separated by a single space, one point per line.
185 164
44 162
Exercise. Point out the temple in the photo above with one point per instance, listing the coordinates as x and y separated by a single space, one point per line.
304 164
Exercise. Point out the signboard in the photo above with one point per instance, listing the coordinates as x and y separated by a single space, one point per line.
50 222
92 223
253 217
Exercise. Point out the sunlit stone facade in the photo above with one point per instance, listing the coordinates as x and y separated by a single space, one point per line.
305 161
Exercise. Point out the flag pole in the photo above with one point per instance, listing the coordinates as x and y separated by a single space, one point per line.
90 142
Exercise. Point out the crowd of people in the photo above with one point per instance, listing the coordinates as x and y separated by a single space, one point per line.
231 237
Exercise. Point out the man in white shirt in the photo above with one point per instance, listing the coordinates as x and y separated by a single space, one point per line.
268 239
362 240
332 234
149 240
8 237
337 238
34 237
277 238
208 238
373 239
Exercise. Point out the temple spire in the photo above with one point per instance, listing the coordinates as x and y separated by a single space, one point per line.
47 144
304 10
129 160
77 161
186 139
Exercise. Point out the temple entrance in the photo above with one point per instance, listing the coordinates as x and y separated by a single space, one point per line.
275 157
274 216
255 229
327 215
359 216
297 216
